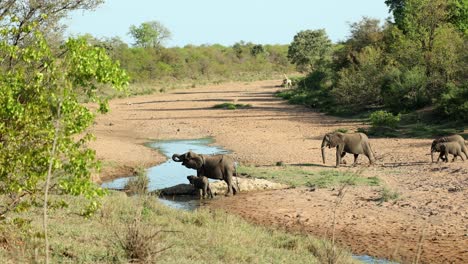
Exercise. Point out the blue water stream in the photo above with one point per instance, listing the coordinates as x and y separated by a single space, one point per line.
171 173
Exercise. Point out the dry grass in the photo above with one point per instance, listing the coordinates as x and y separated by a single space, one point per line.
202 236
139 183
140 244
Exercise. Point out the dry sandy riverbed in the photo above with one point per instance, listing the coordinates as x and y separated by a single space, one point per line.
431 213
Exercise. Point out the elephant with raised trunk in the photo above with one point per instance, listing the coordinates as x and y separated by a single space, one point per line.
219 167
454 138
354 143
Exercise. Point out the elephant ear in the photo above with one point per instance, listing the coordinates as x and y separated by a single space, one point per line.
198 159
326 141
335 140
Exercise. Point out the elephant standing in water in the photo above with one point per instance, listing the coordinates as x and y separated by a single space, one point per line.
354 143
202 185
219 167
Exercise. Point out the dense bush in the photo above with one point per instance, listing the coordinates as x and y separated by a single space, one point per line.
405 90
454 103
359 85
384 119
205 62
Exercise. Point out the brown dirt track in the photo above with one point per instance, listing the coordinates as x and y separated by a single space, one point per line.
272 131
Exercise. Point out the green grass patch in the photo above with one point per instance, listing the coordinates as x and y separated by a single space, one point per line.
386 194
232 106
342 130
126 227
296 176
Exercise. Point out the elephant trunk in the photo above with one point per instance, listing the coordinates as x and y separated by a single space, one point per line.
176 158
323 150
432 155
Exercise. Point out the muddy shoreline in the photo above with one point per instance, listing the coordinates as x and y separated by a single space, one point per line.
273 131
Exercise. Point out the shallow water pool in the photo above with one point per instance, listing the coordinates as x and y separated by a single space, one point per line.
171 173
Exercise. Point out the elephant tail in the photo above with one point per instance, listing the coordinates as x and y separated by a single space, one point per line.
372 156
235 174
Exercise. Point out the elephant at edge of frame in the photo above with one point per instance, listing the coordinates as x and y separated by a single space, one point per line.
445 148
354 143
453 138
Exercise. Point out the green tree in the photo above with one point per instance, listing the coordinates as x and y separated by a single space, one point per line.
43 125
429 35
458 14
149 34
454 103
257 50
43 130
365 33
359 85
397 8
310 50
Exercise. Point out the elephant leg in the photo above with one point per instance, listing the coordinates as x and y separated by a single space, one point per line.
200 194
444 157
210 193
228 181
339 154
234 189
342 160
355 159
204 192
465 150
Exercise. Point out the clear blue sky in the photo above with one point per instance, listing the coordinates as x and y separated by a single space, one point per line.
226 22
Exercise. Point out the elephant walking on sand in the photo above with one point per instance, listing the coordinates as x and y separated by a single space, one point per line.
354 143
454 138
219 167
446 148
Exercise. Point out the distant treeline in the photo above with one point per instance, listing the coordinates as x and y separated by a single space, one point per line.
418 60
206 62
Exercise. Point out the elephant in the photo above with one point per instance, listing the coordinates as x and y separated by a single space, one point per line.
454 138
219 167
202 185
354 143
446 148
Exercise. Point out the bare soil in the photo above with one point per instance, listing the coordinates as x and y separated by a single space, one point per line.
428 222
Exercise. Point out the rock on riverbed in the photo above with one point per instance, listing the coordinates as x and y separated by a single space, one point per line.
220 187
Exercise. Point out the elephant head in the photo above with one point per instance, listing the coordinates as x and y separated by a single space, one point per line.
190 160
192 179
435 147
330 140
433 150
